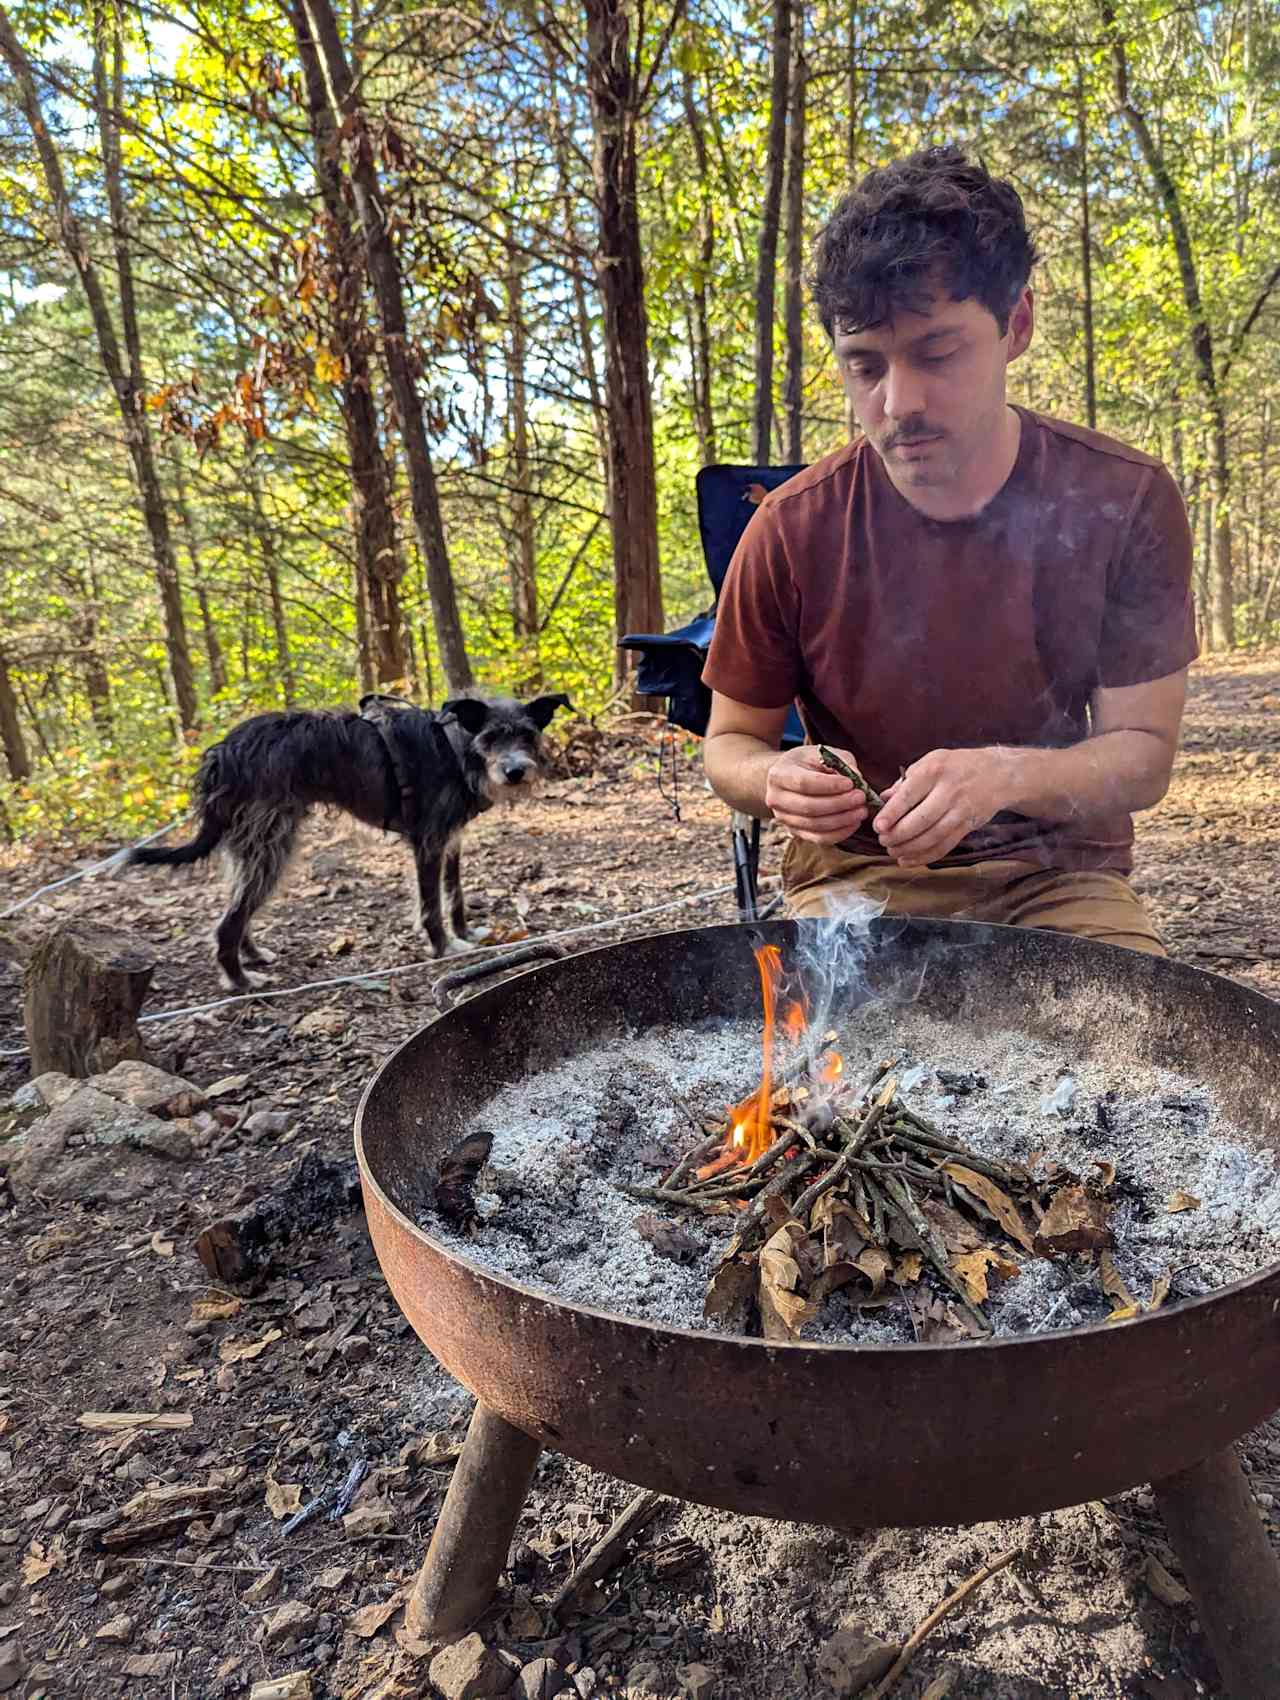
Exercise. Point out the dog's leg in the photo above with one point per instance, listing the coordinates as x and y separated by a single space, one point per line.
255 954
259 850
453 889
428 861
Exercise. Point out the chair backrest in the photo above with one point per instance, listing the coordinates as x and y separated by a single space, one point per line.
727 498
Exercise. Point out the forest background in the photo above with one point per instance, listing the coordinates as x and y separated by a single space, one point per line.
380 346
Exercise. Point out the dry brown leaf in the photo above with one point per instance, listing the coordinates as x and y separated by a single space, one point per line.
1113 1286
238 1352
37 1564
972 1269
1000 1205
366 1622
730 1294
668 1239
956 1233
439 1447
1181 1200
109 1422
282 1499
1160 1291
1076 1220
1106 1173
1125 1313
783 1309
161 1246
216 1306
907 1269
875 1265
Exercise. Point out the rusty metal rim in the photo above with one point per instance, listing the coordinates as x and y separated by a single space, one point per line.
543 1296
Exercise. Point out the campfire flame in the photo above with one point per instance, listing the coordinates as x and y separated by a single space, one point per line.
751 1119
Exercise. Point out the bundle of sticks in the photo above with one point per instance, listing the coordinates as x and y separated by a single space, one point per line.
855 1187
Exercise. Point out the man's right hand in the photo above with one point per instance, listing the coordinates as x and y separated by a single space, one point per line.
810 800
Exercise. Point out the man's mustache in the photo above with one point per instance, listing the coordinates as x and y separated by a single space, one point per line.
917 434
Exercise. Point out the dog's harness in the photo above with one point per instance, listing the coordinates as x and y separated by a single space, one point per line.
383 711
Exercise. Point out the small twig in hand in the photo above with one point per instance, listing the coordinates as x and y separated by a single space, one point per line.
935 1617
837 764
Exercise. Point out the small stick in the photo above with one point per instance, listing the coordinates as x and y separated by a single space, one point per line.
1011 1174
836 763
691 1157
900 1195
708 1204
609 1548
807 1199
935 1617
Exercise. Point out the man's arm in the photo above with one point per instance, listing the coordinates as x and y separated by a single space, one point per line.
745 769
1124 764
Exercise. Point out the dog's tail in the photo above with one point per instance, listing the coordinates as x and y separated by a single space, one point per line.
213 825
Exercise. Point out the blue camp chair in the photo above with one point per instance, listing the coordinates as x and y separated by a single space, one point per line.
671 662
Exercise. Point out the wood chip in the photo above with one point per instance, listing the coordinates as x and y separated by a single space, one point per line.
1166 1588
111 1422
150 1664
295 1686
155 1500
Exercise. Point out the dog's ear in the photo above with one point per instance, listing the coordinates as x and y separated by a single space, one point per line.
469 712
541 709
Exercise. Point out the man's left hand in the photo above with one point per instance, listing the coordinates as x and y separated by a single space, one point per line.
939 800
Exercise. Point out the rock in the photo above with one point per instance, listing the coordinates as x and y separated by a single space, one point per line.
584 1681
147 1087
119 1631
697 1681
468 1670
45 1092
853 1657
295 1686
288 1621
267 1123
150 1664
92 1147
1167 1589
115 1587
541 1679
646 1681
228 1086
13 1664
375 1519
355 1348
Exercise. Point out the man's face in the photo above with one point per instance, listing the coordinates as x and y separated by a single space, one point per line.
928 388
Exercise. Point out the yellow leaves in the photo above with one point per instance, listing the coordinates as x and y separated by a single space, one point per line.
783 1309
973 1267
215 1306
239 1352
282 1499
327 366
1181 1200
997 1203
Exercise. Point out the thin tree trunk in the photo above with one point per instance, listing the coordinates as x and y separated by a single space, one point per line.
1086 254
521 553
632 479
11 740
208 629
271 566
380 565
97 681
700 318
793 393
384 273
767 247
1261 497
127 382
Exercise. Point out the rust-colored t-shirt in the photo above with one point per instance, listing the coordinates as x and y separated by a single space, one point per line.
897 634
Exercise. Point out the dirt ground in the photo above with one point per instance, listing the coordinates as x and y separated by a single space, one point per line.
107 1309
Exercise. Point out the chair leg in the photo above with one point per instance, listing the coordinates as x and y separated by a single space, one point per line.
473 1535
745 837
1233 1574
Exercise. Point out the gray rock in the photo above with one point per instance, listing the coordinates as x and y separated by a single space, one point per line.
542 1679
697 1681
266 1122
93 1147
287 1622
853 1657
147 1087
468 1670
13 1664
646 1680
585 1682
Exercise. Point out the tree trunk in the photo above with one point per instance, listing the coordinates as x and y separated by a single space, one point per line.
767 247
632 476
11 740
93 669
380 565
83 987
1086 254
700 319
521 552
128 384
384 272
271 566
793 393
209 632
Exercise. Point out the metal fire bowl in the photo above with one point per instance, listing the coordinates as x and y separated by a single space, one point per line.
845 1436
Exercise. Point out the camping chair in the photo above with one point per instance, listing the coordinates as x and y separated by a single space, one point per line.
671 662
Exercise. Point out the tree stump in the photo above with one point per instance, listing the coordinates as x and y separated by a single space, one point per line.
84 986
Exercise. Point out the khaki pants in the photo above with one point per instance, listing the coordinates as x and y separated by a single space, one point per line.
1089 903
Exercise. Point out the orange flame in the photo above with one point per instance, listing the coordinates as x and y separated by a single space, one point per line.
831 1069
751 1120
793 1020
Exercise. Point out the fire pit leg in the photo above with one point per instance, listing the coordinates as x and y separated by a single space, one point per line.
1232 1572
473 1535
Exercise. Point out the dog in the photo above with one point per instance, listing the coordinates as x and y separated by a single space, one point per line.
421 774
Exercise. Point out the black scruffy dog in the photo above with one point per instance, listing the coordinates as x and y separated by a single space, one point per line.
411 771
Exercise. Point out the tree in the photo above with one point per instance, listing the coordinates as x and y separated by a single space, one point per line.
767 246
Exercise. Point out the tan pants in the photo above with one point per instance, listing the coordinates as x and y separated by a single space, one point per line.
1091 904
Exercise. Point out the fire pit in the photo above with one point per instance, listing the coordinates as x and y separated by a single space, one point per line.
785 1430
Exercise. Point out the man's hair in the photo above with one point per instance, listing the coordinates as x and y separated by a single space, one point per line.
932 220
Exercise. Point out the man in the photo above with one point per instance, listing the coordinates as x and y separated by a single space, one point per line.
986 611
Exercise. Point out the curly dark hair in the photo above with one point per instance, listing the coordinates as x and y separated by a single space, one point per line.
933 218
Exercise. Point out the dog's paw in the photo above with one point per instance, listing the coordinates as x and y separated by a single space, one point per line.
456 947
247 982
260 956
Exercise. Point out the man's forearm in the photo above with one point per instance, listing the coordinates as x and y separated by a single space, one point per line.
1123 770
738 767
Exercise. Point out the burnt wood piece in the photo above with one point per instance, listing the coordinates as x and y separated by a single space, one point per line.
473 1535
83 988
1231 1570
241 1248
450 983
611 1546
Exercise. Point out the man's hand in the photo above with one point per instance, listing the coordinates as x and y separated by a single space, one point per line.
810 800
939 800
